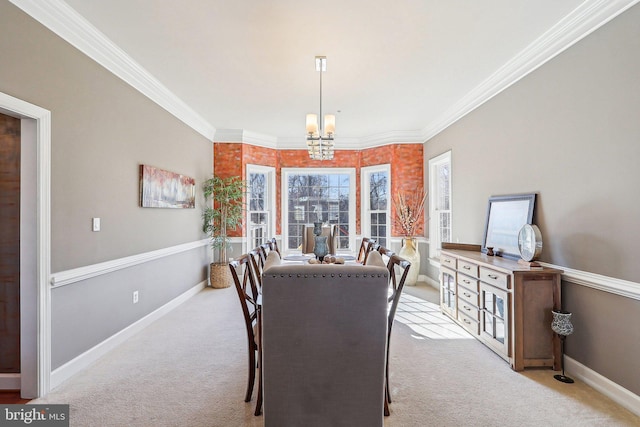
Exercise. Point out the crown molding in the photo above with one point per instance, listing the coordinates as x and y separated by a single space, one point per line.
582 21
64 21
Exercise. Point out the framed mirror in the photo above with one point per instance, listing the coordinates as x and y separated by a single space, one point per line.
505 217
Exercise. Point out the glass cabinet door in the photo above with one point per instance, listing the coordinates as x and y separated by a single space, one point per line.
494 322
448 291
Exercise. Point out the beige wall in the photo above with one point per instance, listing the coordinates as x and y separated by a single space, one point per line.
570 132
102 130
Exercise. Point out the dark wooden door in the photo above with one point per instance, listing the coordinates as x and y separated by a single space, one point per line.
9 244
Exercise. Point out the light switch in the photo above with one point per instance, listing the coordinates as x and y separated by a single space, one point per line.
96 224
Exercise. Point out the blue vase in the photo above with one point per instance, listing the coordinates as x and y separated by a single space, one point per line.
320 248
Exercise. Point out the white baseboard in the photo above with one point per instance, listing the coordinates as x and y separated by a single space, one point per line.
87 358
613 391
10 382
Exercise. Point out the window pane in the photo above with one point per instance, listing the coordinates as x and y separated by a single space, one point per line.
318 198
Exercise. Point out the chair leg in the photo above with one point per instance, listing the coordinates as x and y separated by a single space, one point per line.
259 399
386 404
252 375
386 379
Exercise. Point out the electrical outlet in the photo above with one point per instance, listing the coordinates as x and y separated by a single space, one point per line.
135 297
95 224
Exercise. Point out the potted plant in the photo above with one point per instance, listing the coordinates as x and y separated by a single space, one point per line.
409 210
223 215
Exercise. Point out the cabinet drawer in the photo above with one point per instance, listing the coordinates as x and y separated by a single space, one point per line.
470 296
468 282
468 268
495 278
469 310
470 324
448 261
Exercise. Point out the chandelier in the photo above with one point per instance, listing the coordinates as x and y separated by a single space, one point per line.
320 138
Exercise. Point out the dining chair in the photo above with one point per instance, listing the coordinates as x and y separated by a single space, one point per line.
244 280
366 246
395 265
274 245
258 258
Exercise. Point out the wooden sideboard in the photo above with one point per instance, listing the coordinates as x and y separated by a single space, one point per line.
505 305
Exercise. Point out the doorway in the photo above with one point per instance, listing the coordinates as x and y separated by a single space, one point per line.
28 366
9 246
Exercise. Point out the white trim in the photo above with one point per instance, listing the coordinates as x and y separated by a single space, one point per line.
10 382
63 20
270 172
614 391
624 288
68 277
43 245
581 22
365 217
434 227
87 358
284 172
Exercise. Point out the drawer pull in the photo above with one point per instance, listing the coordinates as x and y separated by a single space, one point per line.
467 294
466 267
448 261
491 276
466 321
466 308
466 281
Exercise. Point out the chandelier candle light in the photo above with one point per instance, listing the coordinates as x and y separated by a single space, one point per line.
320 138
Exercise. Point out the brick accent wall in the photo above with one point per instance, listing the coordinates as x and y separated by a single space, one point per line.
406 160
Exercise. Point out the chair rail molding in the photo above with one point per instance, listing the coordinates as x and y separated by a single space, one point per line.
68 277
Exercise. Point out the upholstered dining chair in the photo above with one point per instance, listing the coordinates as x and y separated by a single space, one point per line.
244 280
395 265
366 246
309 242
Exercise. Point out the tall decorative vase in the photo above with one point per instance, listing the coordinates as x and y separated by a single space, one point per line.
320 249
410 252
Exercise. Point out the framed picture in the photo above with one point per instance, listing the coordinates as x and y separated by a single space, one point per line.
163 189
505 217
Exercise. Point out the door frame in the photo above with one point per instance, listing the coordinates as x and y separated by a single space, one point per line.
35 307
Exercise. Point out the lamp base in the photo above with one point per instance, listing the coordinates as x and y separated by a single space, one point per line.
564 379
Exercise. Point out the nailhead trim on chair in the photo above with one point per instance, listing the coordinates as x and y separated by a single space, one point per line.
357 275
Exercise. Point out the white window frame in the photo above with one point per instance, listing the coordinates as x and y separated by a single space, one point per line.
270 201
435 235
285 172
365 217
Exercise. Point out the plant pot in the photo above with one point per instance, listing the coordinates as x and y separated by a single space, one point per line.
220 276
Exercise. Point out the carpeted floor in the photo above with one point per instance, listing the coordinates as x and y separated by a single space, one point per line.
189 369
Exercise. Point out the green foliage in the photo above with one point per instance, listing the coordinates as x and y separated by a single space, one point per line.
225 214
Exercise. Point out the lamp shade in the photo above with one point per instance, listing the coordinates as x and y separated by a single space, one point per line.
312 124
329 124
561 323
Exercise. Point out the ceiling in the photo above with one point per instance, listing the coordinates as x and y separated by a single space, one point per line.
397 71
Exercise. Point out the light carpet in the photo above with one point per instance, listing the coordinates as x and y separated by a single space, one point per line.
189 369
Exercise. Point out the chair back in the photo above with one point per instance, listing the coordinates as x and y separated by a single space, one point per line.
273 244
258 257
366 246
394 265
247 292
